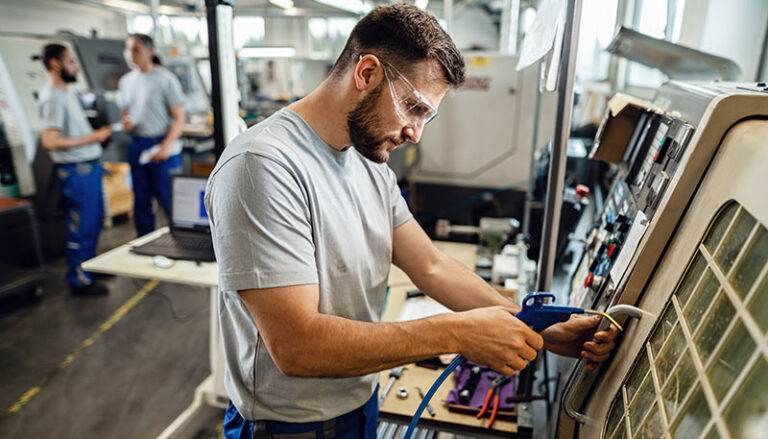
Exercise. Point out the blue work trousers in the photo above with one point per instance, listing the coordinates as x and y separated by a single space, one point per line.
360 423
150 180
81 187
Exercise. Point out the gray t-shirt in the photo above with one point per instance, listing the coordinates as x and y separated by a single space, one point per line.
148 97
61 110
287 209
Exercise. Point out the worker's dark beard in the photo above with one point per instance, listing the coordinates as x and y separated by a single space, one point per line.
66 77
361 123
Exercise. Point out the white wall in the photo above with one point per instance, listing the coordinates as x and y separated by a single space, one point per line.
471 27
733 29
47 17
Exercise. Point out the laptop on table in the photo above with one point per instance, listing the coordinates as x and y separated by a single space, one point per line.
190 232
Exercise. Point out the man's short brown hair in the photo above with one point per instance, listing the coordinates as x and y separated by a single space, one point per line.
402 34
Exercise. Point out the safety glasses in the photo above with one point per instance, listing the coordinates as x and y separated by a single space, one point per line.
410 105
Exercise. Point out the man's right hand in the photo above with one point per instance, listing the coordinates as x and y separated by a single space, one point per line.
102 134
125 119
496 338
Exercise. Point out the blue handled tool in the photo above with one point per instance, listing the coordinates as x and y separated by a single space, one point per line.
540 316
535 313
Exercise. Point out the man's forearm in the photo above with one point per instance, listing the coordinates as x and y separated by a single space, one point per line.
331 346
455 286
59 142
177 128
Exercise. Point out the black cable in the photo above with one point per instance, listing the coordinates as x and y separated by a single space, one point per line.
468 202
174 315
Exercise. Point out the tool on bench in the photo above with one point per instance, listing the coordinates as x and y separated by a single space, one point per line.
493 393
469 388
429 407
536 314
394 374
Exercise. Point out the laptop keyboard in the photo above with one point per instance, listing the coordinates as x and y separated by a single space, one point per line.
190 242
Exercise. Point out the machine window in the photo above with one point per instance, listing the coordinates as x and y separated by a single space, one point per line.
734 241
725 367
758 307
637 377
746 272
668 322
748 400
679 385
719 227
693 417
704 366
691 278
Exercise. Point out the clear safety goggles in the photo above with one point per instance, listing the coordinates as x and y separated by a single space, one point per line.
410 105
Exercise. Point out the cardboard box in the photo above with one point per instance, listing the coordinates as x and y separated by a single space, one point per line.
117 178
617 126
118 191
506 292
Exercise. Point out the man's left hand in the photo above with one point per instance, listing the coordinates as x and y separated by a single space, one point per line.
161 155
577 338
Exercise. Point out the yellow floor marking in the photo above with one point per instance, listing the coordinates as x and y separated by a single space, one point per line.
104 327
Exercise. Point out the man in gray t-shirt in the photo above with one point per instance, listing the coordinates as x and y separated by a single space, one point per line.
152 107
306 219
74 147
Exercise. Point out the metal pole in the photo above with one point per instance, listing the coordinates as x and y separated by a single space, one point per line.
153 5
448 12
559 147
532 167
510 21
213 49
556 169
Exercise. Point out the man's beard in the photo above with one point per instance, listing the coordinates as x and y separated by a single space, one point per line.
361 122
66 77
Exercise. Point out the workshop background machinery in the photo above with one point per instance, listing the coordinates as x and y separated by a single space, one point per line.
467 171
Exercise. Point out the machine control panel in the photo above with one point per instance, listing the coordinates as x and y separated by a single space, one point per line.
604 243
649 162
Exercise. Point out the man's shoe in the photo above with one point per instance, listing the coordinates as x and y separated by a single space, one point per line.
93 289
101 276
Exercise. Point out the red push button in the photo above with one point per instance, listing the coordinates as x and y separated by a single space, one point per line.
588 280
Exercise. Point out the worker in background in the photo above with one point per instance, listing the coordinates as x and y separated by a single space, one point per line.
152 108
306 219
75 148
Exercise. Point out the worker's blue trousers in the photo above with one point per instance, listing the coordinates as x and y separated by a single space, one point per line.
360 423
81 187
150 180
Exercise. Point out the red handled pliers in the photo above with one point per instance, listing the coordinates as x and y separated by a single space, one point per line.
493 393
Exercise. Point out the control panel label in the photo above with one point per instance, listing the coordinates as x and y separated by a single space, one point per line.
636 232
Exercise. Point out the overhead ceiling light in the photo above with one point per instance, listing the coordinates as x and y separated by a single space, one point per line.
127 6
354 6
285 4
267 52
421 4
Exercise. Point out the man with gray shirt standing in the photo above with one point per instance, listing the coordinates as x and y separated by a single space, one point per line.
152 104
307 219
74 147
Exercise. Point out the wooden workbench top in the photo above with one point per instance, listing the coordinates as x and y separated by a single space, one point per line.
402 410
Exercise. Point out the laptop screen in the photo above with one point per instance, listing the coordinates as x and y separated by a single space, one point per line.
187 194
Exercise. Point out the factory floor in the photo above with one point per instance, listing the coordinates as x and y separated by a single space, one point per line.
111 366
88 367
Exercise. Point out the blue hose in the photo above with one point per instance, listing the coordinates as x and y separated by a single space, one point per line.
534 313
430 393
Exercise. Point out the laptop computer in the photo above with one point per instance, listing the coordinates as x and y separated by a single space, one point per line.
190 233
